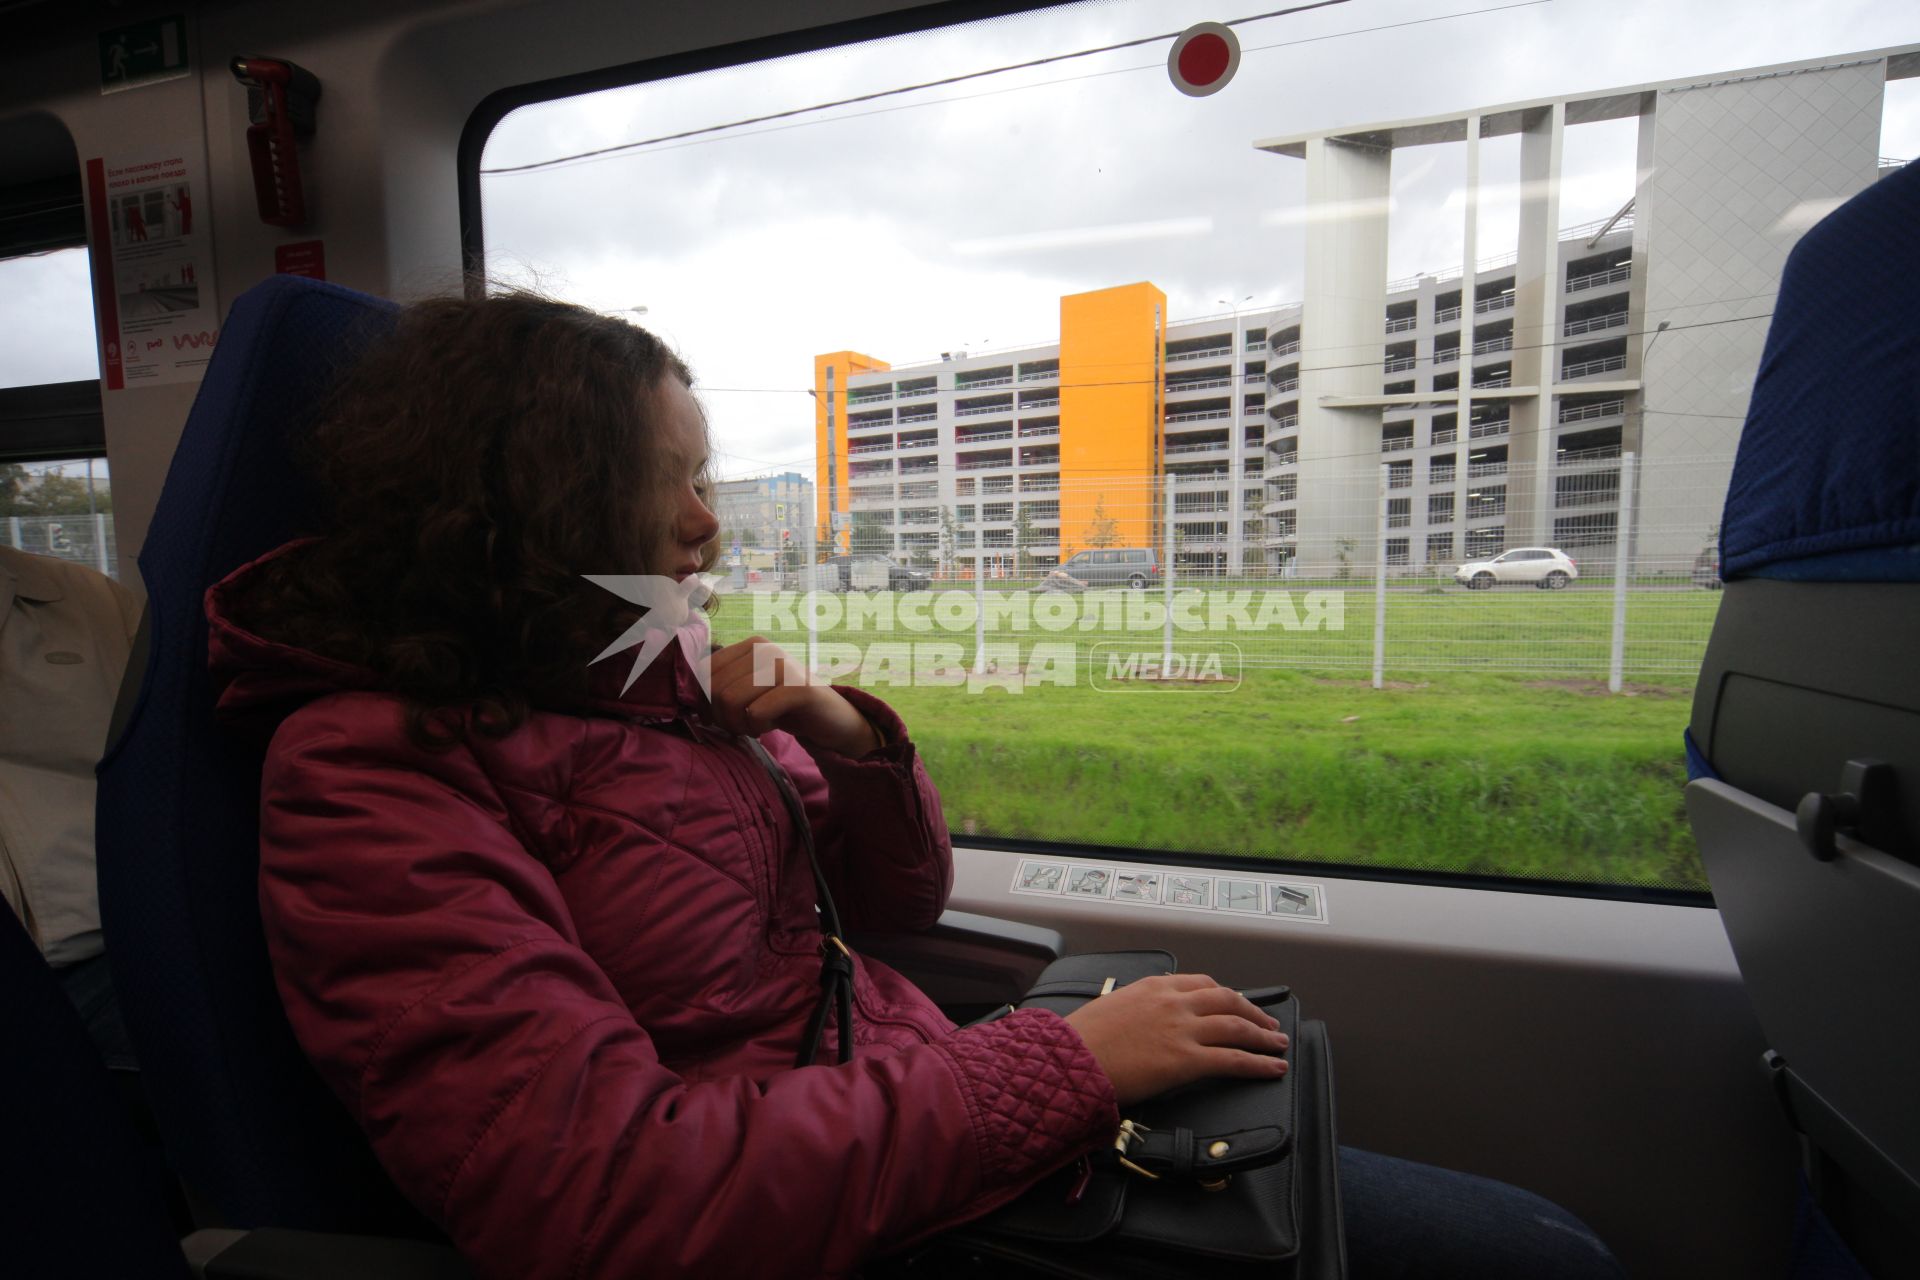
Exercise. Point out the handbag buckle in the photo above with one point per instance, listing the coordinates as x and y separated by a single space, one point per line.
1124 1139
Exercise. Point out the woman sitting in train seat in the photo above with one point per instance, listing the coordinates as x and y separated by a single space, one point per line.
550 935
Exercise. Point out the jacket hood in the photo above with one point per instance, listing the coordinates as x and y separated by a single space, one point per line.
259 682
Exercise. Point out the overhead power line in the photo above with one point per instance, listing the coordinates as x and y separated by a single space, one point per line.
686 136
893 93
1321 368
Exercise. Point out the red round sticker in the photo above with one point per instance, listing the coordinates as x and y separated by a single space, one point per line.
1203 59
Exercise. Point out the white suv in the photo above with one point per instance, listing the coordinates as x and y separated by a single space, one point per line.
1544 567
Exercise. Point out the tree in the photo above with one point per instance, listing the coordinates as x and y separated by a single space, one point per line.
870 535
51 494
1104 530
949 540
1022 539
1253 532
1343 552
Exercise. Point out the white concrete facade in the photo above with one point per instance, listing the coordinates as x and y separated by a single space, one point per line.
1732 169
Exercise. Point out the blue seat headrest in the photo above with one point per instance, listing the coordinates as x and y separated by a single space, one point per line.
1826 483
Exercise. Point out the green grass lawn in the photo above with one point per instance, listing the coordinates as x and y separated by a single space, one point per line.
1495 748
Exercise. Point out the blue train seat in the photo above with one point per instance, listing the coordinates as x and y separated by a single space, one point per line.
1804 740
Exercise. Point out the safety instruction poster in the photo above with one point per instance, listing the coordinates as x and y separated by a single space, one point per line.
152 268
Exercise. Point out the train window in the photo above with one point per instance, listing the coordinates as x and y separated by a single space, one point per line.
46 308
1303 363
60 507
52 502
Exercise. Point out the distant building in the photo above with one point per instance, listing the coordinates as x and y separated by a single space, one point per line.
755 512
1500 411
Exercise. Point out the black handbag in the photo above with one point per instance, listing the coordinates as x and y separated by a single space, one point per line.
1230 1177
1220 1178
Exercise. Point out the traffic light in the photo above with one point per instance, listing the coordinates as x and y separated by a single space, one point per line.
786 535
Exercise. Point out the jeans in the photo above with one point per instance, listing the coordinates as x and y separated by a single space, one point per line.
1408 1221
1405 1221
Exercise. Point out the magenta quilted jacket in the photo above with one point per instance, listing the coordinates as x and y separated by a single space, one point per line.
560 978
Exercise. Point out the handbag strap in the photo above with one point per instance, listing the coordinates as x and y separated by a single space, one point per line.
1183 1153
836 958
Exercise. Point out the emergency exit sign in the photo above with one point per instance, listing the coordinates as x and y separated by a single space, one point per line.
143 53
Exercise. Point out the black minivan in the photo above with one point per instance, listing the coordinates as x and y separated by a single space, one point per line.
1134 567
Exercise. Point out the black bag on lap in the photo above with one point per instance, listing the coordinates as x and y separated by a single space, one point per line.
1223 1178
1226 1178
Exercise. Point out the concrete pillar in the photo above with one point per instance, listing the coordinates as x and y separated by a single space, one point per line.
1537 310
1341 346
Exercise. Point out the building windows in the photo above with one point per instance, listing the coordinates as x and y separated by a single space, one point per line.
1397 550
1587 489
1439 547
1596 530
1440 507
1399 513
1488 501
1485 542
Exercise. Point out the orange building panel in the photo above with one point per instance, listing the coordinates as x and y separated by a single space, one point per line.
830 481
1112 358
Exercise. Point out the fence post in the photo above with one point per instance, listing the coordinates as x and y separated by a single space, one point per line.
13 532
980 594
100 543
810 583
1166 575
1380 582
1622 535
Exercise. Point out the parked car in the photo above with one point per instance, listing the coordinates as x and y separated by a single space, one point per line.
1544 567
873 571
1706 569
1115 567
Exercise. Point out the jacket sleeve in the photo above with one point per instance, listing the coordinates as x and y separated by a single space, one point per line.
877 824
432 973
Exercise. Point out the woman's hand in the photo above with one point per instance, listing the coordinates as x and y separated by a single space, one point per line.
757 687
1155 1034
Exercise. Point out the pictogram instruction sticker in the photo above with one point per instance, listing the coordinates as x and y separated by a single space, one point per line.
1174 888
1089 882
1190 891
1040 877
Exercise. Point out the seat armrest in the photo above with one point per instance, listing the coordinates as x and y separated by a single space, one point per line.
276 1253
969 964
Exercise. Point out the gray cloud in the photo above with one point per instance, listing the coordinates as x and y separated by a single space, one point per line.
908 227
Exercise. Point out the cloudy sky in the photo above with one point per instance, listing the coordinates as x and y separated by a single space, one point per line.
956 217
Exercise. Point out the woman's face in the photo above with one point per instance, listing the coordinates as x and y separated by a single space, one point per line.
690 526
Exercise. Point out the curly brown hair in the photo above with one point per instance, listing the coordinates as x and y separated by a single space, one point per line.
473 466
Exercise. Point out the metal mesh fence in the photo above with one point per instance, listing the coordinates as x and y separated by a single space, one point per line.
1195 575
82 538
